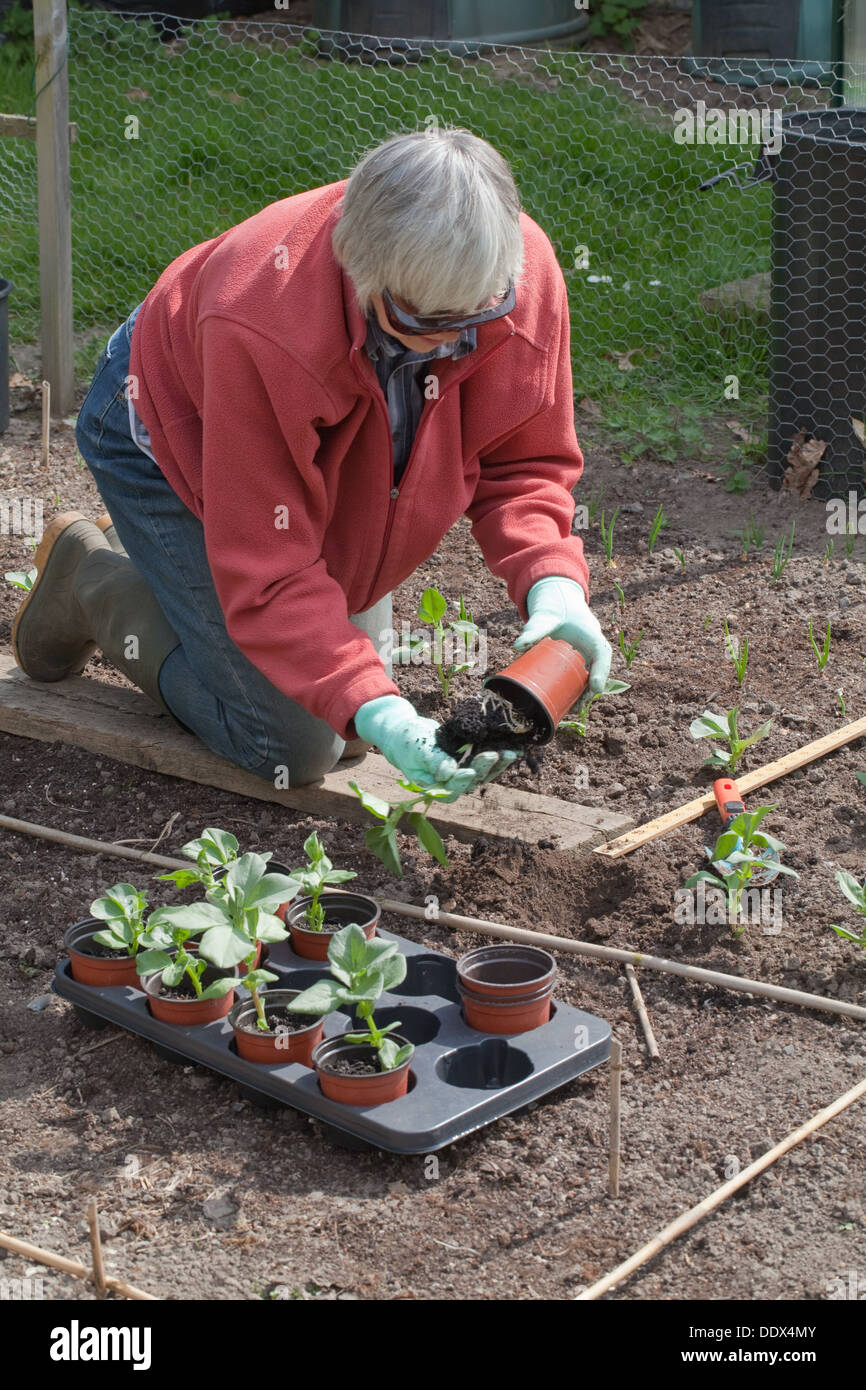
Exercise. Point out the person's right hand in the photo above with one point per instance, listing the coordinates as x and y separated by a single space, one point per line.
408 741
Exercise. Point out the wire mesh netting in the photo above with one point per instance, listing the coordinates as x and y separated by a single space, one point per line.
688 304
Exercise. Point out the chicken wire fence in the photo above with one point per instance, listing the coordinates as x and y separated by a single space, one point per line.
724 323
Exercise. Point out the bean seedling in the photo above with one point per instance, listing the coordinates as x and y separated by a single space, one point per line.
122 909
314 877
738 653
578 724
822 653
459 639
629 649
22 579
362 971
710 725
607 537
658 524
173 927
734 857
855 892
381 839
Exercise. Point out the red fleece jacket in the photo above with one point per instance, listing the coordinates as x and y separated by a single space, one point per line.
269 423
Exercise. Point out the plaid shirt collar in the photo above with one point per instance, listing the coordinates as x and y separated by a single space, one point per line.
378 341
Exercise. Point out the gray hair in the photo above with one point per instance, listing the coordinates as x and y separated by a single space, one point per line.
432 217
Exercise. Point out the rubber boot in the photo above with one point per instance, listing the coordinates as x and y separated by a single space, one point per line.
106 526
86 596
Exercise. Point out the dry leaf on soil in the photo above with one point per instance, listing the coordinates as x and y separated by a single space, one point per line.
804 458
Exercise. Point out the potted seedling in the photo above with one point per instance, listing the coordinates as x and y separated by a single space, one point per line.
213 851
742 855
506 989
181 985
371 1066
266 1030
106 955
320 911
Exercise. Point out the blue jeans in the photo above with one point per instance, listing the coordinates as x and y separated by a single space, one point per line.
206 682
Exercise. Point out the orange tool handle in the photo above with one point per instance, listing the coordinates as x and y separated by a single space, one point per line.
728 799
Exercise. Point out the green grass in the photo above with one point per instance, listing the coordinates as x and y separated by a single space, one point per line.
593 166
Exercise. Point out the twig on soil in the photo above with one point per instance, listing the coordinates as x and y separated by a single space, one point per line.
464 1249
165 830
96 1248
640 1006
46 422
73 1267
715 1199
103 1042
615 1114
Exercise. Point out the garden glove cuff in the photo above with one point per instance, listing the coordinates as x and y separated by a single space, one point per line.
558 608
408 741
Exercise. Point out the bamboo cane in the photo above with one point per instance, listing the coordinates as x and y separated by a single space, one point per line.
46 422
715 1199
73 1267
652 1045
96 1248
615 1114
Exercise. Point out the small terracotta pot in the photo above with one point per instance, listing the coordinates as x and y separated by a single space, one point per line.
346 907
506 989
359 1090
543 683
273 1048
96 970
187 1011
491 1016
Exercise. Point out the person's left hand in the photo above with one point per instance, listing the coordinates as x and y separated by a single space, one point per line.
558 608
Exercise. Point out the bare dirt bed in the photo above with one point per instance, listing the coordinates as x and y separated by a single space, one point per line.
203 1196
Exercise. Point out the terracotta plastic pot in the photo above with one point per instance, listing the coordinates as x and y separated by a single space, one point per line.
187 1011
273 1048
506 989
345 907
96 970
543 684
375 1089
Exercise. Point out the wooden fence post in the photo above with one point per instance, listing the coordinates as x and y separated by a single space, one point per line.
55 225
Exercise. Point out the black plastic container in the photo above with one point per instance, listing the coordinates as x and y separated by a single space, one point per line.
460 1079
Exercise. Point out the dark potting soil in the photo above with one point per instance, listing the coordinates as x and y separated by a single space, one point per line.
94 948
280 1020
184 990
487 723
351 1066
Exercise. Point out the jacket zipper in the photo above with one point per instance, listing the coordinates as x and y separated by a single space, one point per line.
395 491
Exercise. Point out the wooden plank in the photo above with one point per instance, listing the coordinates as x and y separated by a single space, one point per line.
51 82
24 127
747 782
126 725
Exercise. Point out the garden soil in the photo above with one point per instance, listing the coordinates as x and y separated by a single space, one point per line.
204 1196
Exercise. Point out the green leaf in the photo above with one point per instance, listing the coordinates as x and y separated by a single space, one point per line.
861 777
374 804
255 979
704 876
244 875
321 998
615 687
114 941
182 878
191 918
348 950
726 843
173 973
707 726
432 608
392 971
214 845
391 1056
759 733
224 945
339 875
219 987
849 935
269 928
428 836
851 887
382 840
148 962
356 1037
271 891
313 848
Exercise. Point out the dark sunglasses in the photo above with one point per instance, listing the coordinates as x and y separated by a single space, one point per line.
404 322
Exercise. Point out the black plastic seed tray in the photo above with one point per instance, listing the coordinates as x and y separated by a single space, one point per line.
460 1079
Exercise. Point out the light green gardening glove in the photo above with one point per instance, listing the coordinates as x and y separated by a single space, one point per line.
558 608
408 741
